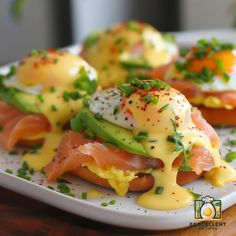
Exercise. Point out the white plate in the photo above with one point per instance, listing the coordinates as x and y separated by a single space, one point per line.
125 212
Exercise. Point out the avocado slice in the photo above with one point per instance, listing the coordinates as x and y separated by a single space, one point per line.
108 132
24 102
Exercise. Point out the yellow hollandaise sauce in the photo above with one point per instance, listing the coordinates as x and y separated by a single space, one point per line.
126 44
171 117
60 81
172 131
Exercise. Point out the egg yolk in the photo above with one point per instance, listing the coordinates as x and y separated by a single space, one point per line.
226 58
49 68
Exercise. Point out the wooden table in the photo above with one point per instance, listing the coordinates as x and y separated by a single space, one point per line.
22 216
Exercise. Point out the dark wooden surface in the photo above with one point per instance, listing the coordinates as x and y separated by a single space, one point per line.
20 215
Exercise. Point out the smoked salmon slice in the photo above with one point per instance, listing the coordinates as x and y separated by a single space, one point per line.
75 150
17 126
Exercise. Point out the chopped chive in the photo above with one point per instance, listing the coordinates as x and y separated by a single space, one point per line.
13 153
116 109
163 108
54 107
52 89
24 177
31 171
159 190
9 171
55 60
25 166
104 204
64 181
98 116
140 136
233 131
63 188
118 41
50 187
112 202
41 98
230 156
34 52
84 195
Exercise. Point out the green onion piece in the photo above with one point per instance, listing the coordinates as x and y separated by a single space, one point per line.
104 204
230 156
84 195
98 116
112 202
140 136
50 187
163 108
116 109
159 190
9 171
54 107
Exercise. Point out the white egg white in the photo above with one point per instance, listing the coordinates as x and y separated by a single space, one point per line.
105 103
219 84
13 82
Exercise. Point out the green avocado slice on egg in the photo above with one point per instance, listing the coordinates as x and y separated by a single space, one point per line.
108 132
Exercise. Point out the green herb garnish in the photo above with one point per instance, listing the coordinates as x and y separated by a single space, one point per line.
159 189
151 99
84 195
85 82
104 204
141 136
98 116
9 171
54 107
177 139
163 108
116 109
230 156
91 40
53 89
112 202
41 98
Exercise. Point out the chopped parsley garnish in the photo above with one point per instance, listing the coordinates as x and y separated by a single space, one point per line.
74 95
55 60
23 171
104 204
63 188
52 89
86 101
118 41
54 107
9 171
50 187
132 64
150 99
163 108
13 153
98 116
91 40
34 52
233 131
132 25
85 83
31 171
205 48
230 156
231 142
169 37
159 189
141 136
135 84
180 148
112 202
116 109
41 98
84 195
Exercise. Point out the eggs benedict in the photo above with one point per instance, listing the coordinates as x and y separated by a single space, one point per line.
206 76
142 136
127 49
37 99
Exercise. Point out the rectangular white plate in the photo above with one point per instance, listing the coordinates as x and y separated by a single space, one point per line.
125 212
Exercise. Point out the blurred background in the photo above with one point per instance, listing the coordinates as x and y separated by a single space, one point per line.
30 24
